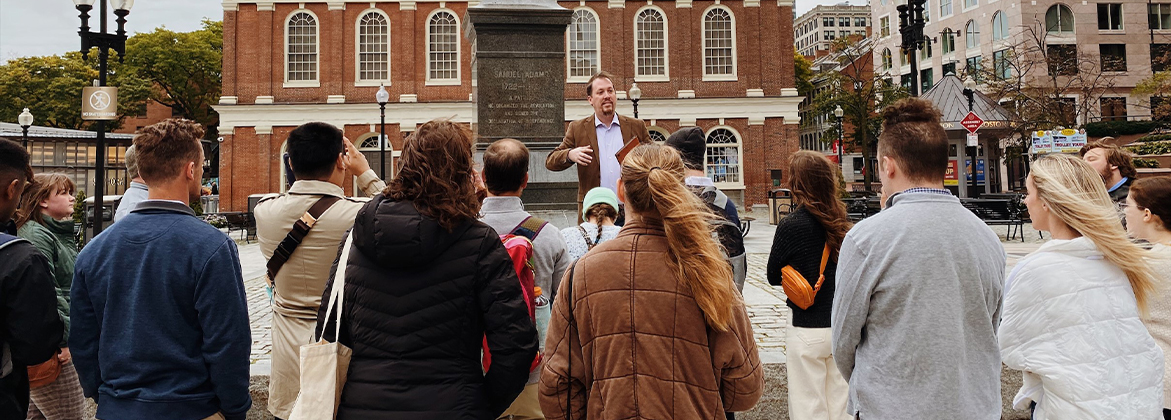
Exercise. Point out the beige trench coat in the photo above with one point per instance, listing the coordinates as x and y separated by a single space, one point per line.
301 281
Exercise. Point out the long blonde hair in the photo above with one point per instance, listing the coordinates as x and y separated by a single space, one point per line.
1075 194
652 176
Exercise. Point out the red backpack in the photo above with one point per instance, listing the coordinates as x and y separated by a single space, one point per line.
519 244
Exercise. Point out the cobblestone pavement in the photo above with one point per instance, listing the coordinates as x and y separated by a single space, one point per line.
765 303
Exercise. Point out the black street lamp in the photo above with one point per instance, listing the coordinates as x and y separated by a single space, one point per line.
104 42
382 97
26 121
970 92
841 137
635 94
911 27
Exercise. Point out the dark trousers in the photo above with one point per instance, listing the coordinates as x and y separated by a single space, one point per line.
1167 414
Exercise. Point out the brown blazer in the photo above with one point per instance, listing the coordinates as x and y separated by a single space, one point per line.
583 132
641 348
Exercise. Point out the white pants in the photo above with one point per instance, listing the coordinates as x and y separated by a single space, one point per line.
817 390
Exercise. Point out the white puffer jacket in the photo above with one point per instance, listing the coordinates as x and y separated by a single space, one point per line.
1071 325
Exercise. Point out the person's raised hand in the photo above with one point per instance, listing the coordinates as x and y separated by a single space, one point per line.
355 161
581 155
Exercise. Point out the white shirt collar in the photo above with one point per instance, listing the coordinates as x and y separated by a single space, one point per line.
598 121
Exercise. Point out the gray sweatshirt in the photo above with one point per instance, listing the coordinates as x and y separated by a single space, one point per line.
915 312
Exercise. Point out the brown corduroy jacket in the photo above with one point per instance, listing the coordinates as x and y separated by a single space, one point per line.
584 132
638 343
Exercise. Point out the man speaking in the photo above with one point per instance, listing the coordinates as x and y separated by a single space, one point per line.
592 142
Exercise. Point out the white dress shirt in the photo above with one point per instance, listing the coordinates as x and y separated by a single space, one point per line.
609 143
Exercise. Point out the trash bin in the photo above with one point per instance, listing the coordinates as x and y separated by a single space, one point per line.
252 200
110 206
780 203
211 203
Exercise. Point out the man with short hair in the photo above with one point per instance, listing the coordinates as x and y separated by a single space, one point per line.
1114 165
137 192
160 319
30 327
592 142
692 146
323 161
919 288
506 174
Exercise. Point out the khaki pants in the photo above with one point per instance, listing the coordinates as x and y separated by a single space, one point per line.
816 388
526 406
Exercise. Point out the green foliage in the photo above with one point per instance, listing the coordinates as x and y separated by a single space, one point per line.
50 87
79 208
1120 128
1145 163
197 205
1154 137
803 72
1151 148
185 67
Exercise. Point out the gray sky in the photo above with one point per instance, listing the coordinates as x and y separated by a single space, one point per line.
49 27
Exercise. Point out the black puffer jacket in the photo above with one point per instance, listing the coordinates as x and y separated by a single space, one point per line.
418 302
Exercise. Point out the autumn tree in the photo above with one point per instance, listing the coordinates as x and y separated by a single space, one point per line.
803 73
186 69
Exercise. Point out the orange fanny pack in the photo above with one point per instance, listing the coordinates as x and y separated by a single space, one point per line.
44 373
797 289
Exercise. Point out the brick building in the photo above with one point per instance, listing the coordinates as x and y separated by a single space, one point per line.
724 66
856 63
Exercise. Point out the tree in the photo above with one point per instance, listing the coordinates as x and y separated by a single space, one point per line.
1158 85
803 72
861 93
185 67
51 88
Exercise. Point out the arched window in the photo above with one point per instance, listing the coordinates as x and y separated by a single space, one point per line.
719 43
948 45
972 35
583 44
1059 20
443 48
999 26
925 52
301 48
887 61
369 147
373 47
658 134
723 156
650 44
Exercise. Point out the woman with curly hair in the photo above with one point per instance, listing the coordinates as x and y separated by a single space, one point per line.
46 219
425 284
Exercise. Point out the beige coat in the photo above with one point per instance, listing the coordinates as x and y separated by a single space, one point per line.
642 349
1158 322
301 281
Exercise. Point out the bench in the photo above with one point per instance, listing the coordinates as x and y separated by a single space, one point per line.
244 222
858 208
997 212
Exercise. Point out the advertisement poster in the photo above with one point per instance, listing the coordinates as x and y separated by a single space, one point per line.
952 177
1058 141
979 171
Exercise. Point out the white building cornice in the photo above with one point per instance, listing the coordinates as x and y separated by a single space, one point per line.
412 114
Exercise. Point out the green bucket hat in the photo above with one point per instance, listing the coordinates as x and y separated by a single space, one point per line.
598 195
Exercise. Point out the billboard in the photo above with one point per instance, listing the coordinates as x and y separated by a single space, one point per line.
1058 141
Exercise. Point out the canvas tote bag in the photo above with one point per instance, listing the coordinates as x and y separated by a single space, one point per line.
324 365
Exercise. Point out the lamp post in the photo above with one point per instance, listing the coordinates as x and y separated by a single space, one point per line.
382 97
104 42
841 137
635 94
911 28
26 121
971 150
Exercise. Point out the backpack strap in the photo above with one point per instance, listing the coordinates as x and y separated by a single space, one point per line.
586 236
6 239
301 228
530 227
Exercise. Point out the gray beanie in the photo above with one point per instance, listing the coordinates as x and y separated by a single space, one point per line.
691 146
131 162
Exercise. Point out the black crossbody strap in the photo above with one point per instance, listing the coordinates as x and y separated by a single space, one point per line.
301 228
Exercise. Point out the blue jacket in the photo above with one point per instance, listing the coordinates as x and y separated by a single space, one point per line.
160 320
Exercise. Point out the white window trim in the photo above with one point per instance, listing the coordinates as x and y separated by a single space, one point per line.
968 33
739 157
597 46
1121 24
394 154
888 28
660 130
666 76
703 47
317 47
458 80
358 82
1004 18
1059 33
953 10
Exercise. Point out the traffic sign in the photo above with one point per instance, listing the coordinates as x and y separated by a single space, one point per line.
972 122
973 139
99 103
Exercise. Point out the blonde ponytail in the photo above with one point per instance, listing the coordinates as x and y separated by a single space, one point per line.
652 177
1075 194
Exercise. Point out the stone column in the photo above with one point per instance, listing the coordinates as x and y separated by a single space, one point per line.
518 79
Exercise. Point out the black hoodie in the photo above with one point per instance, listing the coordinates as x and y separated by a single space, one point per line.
418 302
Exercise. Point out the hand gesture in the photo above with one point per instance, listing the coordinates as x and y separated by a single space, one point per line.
581 155
354 159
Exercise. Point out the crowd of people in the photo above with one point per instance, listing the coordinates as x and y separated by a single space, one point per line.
454 302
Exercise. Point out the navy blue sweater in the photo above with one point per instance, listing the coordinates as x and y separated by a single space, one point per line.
160 320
